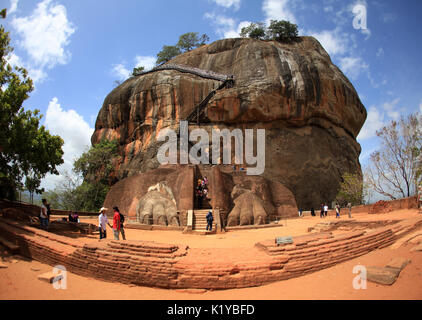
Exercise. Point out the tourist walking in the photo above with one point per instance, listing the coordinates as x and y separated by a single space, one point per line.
325 210
337 211
322 211
349 206
312 212
300 212
102 223
122 220
210 219
44 214
116 224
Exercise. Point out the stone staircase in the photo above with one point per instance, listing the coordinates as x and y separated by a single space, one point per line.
200 222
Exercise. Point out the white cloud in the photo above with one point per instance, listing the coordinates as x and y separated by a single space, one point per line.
277 10
75 132
121 72
14 60
45 34
333 41
378 117
374 122
145 61
391 107
228 3
380 52
353 66
13 6
225 26
36 74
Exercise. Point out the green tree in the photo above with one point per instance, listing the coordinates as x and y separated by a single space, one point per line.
254 30
25 146
32 184
191 40
168 53
138 70
86 191
65 196
352 189
282 30
96 167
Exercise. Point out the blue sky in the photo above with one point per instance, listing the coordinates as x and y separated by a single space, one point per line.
75 50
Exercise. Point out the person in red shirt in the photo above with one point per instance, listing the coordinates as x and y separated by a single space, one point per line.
116 224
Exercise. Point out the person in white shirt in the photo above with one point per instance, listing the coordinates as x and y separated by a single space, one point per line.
102 223
325 210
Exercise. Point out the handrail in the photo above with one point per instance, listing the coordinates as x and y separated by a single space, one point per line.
208 74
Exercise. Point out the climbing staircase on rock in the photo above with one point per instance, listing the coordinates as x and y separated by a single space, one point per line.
198 114
200 221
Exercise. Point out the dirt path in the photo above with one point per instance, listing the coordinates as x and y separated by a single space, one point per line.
19 280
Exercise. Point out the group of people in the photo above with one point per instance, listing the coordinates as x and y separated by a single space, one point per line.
73 217
201 191
324 210
118 221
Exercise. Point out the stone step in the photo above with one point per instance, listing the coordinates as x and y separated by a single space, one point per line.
50 277
9 245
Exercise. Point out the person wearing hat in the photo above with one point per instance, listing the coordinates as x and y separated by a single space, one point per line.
103 221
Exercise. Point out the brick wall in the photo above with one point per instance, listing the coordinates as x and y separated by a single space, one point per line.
172 266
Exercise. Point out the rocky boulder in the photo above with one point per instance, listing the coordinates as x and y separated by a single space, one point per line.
164 195
309 109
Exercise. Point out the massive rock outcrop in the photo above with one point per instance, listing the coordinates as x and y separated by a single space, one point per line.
309 109
164 195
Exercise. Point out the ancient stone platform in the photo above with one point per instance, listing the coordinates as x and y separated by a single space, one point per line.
173 266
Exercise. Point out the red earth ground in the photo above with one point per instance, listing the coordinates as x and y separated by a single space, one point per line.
19 280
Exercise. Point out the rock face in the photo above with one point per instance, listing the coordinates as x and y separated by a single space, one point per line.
163 196
309 109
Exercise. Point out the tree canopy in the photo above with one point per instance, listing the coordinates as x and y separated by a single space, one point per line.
167 53
254 30
394 169
277 30
352 189
187 42
137 70
191 40
282 30
26 148
87 190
